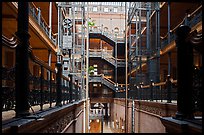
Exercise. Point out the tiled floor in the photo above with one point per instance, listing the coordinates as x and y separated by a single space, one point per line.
106 127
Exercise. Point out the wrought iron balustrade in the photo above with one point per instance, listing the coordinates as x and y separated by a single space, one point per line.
36 14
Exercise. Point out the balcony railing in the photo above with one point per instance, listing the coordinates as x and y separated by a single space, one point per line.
194 19
36 14
101 78
42 88
116 37
106 55
158 92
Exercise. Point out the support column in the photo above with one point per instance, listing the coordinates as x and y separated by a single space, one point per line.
70 88
50 20
169 24
41 88
76 90
106 110
133 116
140 43
150 63
169 63
185 74
49 78
22 61
126 72
116 62
50 89
59 86
158 44
151 90
58 30
169 86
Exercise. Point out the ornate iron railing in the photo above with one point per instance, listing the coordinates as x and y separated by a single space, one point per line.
42 88
36 14
192 21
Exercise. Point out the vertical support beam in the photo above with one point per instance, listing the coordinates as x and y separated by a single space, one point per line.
22 59
130 52
76 90
169 63
87 75
59 84
151 90
116 62
73 40
169 24
50 89
50 20
126 72
41 88
106 110
169 84
148 29
158 42
49 77
136 29
82 51
149 64
140 42
185 74
70 87
58 20
133 116
158 21
62 91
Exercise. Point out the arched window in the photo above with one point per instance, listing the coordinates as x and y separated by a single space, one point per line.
116 30
105 29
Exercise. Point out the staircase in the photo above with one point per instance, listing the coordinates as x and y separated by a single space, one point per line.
104 80
107 56
108 83
100 78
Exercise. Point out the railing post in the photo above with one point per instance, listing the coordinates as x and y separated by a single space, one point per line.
50 89
169 86
39 15
76 90
70 88
67 95
22 59
151 90
41 88
185 74
59 86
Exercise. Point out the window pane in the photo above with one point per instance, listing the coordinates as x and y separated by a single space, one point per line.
105 9
94 8
115 10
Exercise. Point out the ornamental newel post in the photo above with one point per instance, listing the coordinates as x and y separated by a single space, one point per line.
169 87
22 61
151 90
184 73
59 78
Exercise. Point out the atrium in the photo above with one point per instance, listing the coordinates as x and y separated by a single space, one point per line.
102 67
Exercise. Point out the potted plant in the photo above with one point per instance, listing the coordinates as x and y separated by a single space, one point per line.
91 24
91 70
